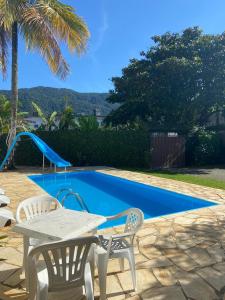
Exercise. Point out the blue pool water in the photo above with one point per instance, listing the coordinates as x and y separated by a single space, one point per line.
109 195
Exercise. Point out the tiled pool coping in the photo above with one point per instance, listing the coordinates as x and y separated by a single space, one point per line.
179 256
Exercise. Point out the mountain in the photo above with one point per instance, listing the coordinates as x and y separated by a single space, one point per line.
54 99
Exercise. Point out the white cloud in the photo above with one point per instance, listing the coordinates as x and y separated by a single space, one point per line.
96 44
101 32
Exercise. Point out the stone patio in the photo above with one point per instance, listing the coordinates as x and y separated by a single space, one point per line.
181 256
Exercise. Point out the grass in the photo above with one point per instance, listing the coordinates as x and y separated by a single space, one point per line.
195 179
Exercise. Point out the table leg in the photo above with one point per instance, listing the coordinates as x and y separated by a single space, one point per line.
25 260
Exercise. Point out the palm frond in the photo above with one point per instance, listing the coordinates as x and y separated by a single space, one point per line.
66 25
52 117
39 36
40 112
4 40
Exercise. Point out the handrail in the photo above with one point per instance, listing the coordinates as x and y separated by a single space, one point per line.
61 191
77 197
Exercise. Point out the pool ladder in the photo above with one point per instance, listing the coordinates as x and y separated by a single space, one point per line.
75 195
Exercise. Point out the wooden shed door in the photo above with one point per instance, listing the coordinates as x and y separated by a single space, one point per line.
167 151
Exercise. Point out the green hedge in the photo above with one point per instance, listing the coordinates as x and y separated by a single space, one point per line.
205 148
118 148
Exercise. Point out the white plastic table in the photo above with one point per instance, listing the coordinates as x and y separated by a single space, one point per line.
56 225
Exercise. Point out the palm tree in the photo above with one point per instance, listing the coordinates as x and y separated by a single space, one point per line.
43 24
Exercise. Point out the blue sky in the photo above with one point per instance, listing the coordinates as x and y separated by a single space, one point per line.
120 29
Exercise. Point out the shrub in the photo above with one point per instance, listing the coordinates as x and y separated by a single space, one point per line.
205 148
118 148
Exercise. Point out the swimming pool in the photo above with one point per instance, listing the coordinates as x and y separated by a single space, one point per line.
109 195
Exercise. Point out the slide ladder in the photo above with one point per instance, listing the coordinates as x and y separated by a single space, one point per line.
47 152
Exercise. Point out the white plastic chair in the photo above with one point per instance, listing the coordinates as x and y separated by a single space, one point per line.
35 206
29 209
5 216
4 200
65 269
118 246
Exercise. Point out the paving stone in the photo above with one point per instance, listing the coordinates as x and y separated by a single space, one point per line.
15 279
145 280
135 297
147 240
164 276
182 260
216 252
185 244
11 256
164 293
150 251
201 256
220 267
6 270
165 242
166 230
155 263
7 293
206 244
213 277
147 231
183 221
195 288
113 288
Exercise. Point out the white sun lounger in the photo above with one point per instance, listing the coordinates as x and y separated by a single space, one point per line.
2 192
4 200
5 216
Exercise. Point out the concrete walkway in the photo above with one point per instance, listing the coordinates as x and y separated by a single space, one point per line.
177 257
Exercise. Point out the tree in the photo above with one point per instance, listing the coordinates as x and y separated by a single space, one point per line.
5 111
43 24
87 123
4 114
48 121
67 119
175 85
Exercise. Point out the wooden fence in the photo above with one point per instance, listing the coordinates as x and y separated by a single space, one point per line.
167 151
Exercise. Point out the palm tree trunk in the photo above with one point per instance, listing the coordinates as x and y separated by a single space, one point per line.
14 85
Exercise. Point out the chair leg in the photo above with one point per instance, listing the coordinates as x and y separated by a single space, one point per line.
91 260
88 283
131 260
102 275
121 262
42 294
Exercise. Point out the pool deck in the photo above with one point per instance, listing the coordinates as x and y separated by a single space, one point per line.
180 256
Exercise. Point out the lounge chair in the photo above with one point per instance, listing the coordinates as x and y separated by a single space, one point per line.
4 200
6 217
118 246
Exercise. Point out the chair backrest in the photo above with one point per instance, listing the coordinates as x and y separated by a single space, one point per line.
65 262
35 206
134 221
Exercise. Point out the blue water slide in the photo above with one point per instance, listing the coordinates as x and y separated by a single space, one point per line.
50 154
